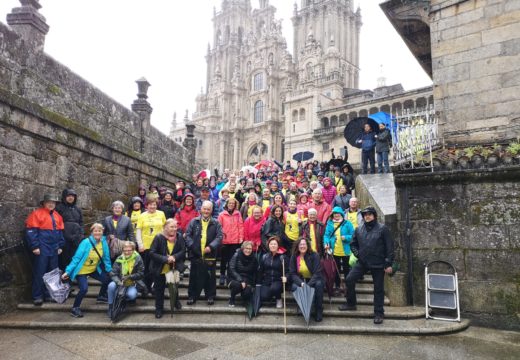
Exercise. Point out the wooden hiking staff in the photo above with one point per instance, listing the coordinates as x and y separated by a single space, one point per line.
284 308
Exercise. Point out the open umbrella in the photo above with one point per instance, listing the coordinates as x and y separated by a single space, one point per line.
119 304
304 297
172 280
204 173
265 163
329 270
249 168
303 156
354 129
256 299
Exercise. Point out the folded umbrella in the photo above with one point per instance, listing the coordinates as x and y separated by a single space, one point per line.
304 297
256 299
119 304
172 280
329 270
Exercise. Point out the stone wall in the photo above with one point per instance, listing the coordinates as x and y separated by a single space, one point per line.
57 131
471 219
475 50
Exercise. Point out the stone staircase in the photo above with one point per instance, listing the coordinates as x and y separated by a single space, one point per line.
220 317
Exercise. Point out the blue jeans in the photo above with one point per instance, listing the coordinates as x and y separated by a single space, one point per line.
131 292
83 285
382 158
41 264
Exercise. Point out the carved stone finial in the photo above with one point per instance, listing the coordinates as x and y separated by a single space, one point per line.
142 88
27 22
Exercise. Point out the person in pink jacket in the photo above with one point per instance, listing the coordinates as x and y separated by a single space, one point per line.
324 210
328 191
233 229
253 228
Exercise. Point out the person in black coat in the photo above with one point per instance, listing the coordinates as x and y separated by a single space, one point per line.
271 274
305 267
383 143
273 226
373 245
203 262
242 273
168 205
167 252
117 229
73 222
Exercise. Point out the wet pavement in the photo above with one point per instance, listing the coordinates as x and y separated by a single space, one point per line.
474 343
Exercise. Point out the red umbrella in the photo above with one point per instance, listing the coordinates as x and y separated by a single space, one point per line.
265 163
204 174
329 269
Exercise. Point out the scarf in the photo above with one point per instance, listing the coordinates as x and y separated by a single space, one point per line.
125 262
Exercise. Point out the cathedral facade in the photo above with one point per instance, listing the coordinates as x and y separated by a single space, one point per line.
260 102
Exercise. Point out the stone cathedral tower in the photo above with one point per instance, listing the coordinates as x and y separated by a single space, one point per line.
259 102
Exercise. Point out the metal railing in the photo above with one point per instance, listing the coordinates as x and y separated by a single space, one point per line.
414 136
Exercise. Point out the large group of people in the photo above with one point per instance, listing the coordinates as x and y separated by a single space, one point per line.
271 225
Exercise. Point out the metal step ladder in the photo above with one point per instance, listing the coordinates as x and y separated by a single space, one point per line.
442 292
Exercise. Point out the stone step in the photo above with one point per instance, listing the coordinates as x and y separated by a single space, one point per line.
54 320
361 288
200 308
223 295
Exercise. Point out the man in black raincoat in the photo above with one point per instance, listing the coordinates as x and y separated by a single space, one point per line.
73 221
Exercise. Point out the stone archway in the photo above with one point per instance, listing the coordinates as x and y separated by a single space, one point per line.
257 151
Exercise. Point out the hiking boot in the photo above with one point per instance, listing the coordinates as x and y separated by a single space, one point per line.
158 313
222 280
102 300
378 319
211 301
279 304
347 307
231 303
190 301
178 305
37 302
76 312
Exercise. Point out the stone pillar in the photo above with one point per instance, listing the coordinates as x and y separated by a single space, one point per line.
142 107
190 143
27 22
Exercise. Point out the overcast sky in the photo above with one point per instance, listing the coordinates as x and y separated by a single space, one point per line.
111 43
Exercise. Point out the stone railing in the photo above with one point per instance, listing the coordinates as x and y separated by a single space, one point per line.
324 131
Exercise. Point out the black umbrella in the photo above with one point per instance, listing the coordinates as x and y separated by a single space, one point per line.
256 299
329 267
303 156
119 304
355 128
304 297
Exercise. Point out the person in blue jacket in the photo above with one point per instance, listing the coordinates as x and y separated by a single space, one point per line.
92 258
336 241
367 140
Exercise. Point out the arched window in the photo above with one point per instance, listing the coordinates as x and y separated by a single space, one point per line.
295 115
259 112
258 82
302 114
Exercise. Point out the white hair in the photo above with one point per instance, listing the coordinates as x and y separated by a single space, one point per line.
312 211
317 191
207 203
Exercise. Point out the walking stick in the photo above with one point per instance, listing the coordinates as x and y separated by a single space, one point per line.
284 307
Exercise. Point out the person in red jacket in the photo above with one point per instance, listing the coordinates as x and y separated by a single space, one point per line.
45 241
324 210
328 191
187 212
233 234
253 228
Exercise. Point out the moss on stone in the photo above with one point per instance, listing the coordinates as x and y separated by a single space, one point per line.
55 90
511 300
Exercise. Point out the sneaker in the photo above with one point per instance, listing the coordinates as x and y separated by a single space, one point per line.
190 302
76 312
347 307
37 302
231 303
158 314
279 304
211 301
378 319
222 280
102 300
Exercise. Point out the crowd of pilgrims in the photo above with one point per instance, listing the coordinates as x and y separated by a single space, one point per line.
270 228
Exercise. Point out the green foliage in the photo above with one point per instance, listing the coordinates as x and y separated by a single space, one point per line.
514 148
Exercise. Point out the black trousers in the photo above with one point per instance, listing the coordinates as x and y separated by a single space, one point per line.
368 156
343 267
148 277
226 253
267 292
159 285
378 275
202 276
235 288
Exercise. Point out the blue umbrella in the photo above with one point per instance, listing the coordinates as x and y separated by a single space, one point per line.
303 156
389 120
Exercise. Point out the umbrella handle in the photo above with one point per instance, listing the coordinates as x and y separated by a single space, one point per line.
284 306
